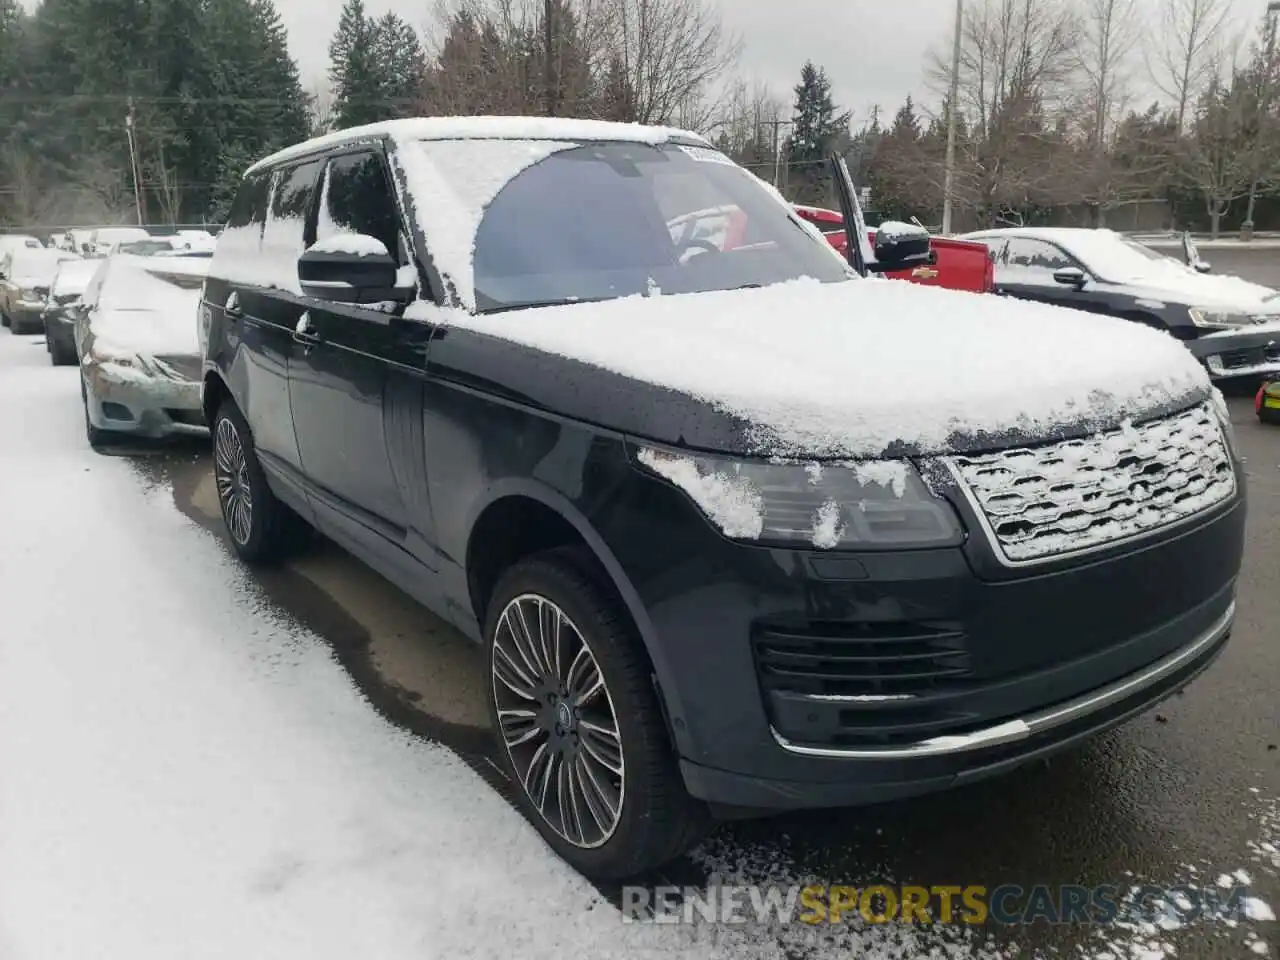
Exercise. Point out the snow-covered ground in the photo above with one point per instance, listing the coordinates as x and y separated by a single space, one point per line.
186 773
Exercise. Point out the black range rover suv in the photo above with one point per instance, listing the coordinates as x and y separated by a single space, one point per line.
470 351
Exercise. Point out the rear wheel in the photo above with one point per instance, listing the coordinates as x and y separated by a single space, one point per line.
260 527
582 733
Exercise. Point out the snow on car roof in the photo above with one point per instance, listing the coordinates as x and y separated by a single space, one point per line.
491 128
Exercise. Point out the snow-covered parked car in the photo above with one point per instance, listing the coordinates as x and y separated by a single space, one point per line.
740 530
104 241
1231 325
139 352
25 276
59 315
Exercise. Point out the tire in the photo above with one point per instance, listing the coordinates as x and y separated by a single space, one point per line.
4 318
261 528
542 728
17 328
59 355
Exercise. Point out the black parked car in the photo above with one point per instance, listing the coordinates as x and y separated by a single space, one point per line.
1230 325
68 286
725 552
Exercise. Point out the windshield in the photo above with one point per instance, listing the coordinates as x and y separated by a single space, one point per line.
617 219
74 276
1119 259
145 247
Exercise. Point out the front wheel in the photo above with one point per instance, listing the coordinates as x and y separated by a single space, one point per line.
260 527
581 730
59 355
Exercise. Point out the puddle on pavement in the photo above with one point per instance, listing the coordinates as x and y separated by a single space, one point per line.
1089 816
415 669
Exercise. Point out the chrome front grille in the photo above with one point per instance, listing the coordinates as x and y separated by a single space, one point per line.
1041 503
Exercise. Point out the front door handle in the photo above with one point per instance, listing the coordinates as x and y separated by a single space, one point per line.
304 332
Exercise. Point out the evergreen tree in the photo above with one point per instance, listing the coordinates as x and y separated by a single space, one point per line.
401 66
815 129
358 83
617 100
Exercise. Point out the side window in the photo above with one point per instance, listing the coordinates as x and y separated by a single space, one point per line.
357 198
250 205
1023 255
290 225
4 266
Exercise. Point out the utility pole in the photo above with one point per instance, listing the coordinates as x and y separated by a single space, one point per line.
549 43
949 187
1264 105
777 125
130 123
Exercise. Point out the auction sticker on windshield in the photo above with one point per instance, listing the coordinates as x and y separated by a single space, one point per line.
706 155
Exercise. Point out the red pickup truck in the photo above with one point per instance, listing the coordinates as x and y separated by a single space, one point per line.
962 264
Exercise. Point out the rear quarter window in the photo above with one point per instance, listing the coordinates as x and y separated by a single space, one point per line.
240 241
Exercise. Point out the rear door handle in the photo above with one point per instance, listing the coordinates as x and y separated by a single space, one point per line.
304 332
232 307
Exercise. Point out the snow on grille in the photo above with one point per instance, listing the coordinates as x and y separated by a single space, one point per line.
1043 502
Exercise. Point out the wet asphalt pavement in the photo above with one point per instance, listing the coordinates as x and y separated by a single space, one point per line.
1180 795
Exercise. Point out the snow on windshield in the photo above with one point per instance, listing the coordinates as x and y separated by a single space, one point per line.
74 276
451 182
850 369
1120 260
149 310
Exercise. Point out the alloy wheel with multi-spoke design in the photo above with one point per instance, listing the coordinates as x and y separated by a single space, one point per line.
231 473
557 720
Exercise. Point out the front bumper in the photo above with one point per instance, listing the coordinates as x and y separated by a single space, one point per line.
129 400
1012 664
26 316
1243 353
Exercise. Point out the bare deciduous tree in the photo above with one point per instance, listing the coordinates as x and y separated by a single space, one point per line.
1109 34
672 51
1214 159
1016 58
1184 58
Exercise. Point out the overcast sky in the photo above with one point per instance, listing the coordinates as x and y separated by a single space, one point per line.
873 50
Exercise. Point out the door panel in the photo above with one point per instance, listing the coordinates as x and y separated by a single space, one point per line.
336 391
356 392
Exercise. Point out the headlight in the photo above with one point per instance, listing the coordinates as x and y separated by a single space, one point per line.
1214 318
1219 404
26 293
859 505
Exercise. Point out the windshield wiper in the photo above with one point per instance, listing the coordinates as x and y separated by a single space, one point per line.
555 302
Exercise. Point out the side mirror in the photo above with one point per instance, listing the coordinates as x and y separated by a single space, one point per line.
902 245
1201 267
350 268
1070 277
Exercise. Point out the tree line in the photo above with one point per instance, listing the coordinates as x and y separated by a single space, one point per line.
1047 121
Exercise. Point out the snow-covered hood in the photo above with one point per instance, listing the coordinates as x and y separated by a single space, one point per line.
861 368
1180 284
